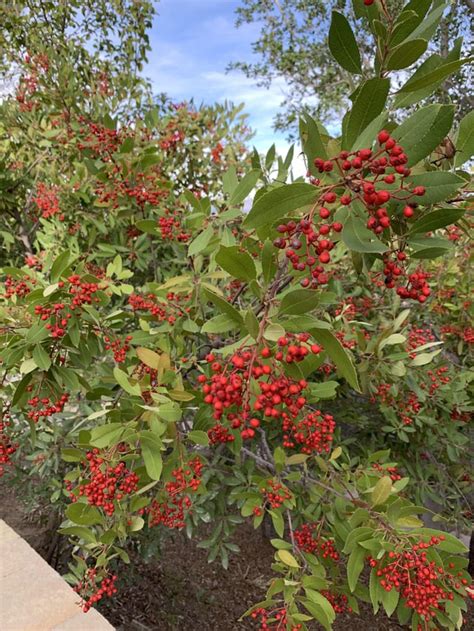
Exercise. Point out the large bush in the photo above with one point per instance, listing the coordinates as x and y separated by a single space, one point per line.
170 360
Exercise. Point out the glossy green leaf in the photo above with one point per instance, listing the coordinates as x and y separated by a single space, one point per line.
381 491
355 565
245 187
151 452
406 54
440 185
339 356
359 238
434 76
279 202
343 45
436 219
200 242
237 263
368 104
465 140
424 130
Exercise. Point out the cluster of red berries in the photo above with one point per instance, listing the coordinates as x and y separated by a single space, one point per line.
7 447
119 347
82 293
274 495
338 601
308 540
58 327
20 288
436 378
407 407
47 200
308 246
99 140
171 510
216 153
418 336
171 227
163 312
94 587
416 287
466 334
28 84
278 397
422 583
107 483
364 176
390 471
275 620
293 348
173 137
313 433
43 407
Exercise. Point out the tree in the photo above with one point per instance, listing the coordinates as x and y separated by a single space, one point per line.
170 360
292 46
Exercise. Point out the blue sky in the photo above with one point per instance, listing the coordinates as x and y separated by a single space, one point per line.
192 43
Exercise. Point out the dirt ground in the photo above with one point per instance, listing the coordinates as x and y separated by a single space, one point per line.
180 590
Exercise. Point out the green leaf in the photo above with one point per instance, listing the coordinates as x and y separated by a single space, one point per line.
440 185
355 565
429 23
84 514
287 558
245 186
409 98
220 323
449 544
312 142
41 357
123 381
224 306
79 531
147 225
343 45
300 301
339 356
381 491
406 54
323 602
148 357
106 435
278 522
151 452
368 136
436 219
200 242
252 323
390 600
198 437
434 76
60 264
325 390
368 104
424 130
465 140
278 202
71 454
269 265
237 263
36 333
359 238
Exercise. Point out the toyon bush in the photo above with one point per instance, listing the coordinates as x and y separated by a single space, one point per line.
173 356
